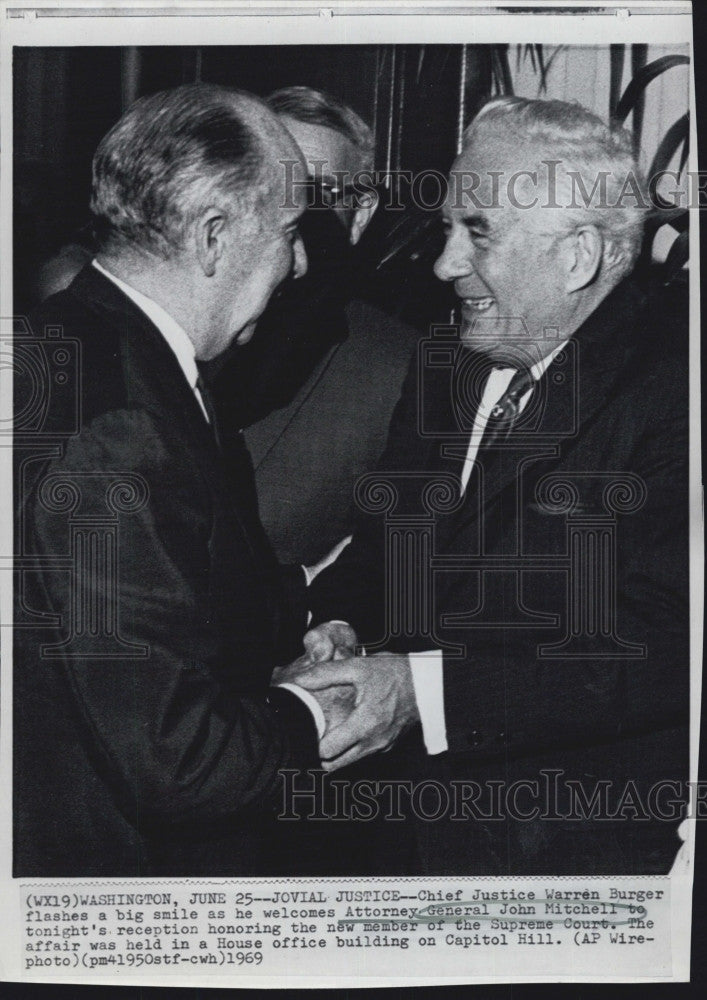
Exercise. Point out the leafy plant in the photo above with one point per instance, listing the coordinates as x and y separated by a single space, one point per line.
677 138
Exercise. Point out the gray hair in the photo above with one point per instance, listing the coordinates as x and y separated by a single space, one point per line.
588 151
170 155
316 107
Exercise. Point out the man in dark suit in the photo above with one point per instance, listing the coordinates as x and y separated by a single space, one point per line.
147 738
526 592
311 423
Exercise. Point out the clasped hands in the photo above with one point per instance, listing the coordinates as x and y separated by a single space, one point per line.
367 701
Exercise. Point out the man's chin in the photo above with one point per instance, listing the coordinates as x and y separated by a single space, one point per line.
505 342
484 337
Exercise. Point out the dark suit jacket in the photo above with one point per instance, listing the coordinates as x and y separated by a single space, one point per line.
610 707
147 739
309 453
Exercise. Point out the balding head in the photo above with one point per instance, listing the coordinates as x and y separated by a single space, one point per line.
193 210
175 152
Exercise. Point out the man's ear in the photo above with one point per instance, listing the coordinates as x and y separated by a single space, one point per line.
584 259
209 233
362 216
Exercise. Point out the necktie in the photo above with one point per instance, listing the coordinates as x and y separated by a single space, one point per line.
505 413
208 402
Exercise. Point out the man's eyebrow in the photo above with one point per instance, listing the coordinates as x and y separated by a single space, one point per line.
476 221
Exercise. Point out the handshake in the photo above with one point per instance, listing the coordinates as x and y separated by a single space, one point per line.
367 701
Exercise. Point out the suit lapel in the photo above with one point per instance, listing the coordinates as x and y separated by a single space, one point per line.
157 381
573 390
157 384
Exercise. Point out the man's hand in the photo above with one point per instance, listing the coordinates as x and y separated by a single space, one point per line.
330 641
337 703
384 707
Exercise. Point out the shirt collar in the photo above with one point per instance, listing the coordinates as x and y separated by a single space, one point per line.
173 333
540 367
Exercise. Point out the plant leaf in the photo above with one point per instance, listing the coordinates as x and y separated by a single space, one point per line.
420 60
641 80
677 134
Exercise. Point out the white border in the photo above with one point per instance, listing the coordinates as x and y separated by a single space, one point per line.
132 22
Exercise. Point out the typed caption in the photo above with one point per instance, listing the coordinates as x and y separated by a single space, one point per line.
383 927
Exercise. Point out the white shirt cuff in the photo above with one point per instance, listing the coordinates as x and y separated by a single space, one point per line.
428 682
308 577
312 704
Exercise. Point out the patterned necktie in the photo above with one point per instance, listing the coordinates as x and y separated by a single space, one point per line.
505 413
208 402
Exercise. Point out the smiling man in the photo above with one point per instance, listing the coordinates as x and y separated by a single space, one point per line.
533 654
147 738
528 254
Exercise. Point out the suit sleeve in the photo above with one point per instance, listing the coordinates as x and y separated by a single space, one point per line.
182 722
295 608
504 699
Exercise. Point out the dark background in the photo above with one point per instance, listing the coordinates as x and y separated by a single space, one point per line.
66 99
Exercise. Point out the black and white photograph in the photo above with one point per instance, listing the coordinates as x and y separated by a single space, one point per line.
354 565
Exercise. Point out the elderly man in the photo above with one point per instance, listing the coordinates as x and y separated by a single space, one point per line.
535 649
312 425
147 738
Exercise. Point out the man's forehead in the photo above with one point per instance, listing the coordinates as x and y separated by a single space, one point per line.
277 215
325 150
291 208
466 210
489 156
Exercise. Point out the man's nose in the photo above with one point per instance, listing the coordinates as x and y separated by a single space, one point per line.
454 261
299 268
